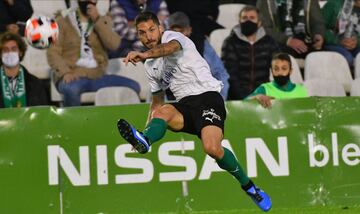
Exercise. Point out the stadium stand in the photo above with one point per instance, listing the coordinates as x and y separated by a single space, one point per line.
135 72
35 61
355 87
229 14
328 65
357 67
324 87
50 7
55 96
116 96
217 38
47 7
117 67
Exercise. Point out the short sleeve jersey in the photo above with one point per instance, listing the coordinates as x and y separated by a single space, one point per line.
184 72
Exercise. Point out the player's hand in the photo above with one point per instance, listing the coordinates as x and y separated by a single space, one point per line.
264 100
134 57
318 42
13 28
70 77
92 11
298 45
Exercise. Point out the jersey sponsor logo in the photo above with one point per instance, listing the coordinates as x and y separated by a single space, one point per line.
210 115
168 75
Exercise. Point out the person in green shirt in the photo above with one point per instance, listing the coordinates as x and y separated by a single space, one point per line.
281 87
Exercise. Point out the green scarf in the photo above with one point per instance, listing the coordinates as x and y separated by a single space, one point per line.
13 96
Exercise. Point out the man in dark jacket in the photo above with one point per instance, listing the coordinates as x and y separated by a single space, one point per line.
298 28
12 12
247 53
18 88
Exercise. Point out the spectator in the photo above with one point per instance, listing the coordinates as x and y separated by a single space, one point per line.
342 27
246 54
79 58
281 87
297 29
13 15
180 22
18 87
123 14
202 13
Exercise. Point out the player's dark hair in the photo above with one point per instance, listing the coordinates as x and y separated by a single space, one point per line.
145 16
283 57
13 37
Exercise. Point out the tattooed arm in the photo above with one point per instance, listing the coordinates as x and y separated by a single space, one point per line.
158 51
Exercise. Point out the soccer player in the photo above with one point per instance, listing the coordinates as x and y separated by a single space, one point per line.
172 61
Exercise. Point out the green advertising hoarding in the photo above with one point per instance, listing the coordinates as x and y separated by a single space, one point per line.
303 152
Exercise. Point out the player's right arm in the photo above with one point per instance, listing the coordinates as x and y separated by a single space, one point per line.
157 101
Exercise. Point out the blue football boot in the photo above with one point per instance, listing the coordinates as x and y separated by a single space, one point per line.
134 137
260 198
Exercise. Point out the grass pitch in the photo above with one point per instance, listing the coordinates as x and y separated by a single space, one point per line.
309 210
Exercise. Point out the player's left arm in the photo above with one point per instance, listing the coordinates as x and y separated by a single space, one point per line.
160 50
163 49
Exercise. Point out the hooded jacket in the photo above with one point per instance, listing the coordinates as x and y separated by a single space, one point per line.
247 64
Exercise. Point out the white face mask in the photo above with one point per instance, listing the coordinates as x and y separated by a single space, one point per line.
10 59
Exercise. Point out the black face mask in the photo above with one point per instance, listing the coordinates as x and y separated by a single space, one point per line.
83 6
248 28
282 80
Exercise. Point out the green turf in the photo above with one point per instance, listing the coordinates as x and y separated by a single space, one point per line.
309 210
315 210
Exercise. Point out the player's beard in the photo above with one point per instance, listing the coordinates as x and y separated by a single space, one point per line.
153 43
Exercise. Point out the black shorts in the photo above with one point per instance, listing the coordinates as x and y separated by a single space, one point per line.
200 111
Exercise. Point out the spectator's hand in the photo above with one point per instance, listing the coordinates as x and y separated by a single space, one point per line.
134 57
298 45
13 28
349 43
92 11
264 100
318 42
70 77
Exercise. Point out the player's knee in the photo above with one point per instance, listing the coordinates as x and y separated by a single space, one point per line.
213 151
165 112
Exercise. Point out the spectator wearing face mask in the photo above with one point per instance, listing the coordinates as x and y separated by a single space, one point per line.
246 54
123 13
79 58
281 87
18 87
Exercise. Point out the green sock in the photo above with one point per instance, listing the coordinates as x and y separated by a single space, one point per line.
155 130
229 163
